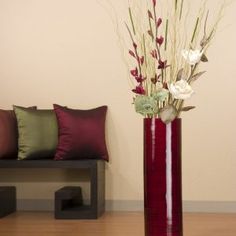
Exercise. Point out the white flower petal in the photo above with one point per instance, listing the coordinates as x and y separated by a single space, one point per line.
185 54
192 56
181 90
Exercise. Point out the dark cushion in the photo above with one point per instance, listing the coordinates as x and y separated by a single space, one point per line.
81 133
38 133
8 134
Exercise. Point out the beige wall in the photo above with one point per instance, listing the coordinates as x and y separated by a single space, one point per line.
66 52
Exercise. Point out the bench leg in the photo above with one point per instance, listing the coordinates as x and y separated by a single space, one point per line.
7 200
97 197
98 190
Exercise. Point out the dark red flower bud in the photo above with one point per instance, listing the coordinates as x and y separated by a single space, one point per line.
150 14
139 90
150 33
140 79
165 85
160 40
154 53
141 60
132 53
154 80
154 2
162 64
135 45
134 72
159 21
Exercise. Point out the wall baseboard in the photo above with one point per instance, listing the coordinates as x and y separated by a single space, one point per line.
188 206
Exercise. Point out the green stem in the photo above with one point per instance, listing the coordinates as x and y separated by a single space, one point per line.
162 75
193 69
150 25
176 5
181 9
145 51
156 33
135 49
195 30
130 34
205 24
157 46
166 33
131 19
179 108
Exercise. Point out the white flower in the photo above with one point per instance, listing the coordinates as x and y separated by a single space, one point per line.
192 56
181 89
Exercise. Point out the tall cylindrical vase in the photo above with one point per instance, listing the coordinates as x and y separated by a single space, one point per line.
162 178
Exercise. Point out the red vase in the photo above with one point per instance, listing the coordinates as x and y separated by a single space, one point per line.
162 178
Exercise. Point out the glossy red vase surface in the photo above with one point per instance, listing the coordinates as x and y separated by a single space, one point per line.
162 178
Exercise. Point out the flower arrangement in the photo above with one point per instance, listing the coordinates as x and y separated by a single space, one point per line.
165 56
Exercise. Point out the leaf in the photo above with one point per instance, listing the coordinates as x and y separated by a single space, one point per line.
188 108
168 114
180 74
204 58
196 76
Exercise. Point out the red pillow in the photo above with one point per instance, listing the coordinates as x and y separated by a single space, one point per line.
8 135
81 133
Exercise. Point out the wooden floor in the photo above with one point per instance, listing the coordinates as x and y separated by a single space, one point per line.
111 224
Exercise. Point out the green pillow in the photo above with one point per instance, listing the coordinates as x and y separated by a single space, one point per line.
38 133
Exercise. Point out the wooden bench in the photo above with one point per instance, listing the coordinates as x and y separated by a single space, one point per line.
96 170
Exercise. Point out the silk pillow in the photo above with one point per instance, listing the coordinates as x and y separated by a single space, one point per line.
81 133
38 133
8 134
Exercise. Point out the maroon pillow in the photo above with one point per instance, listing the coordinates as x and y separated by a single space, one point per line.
8 134
81 133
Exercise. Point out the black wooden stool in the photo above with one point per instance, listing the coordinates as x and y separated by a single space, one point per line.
7 200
